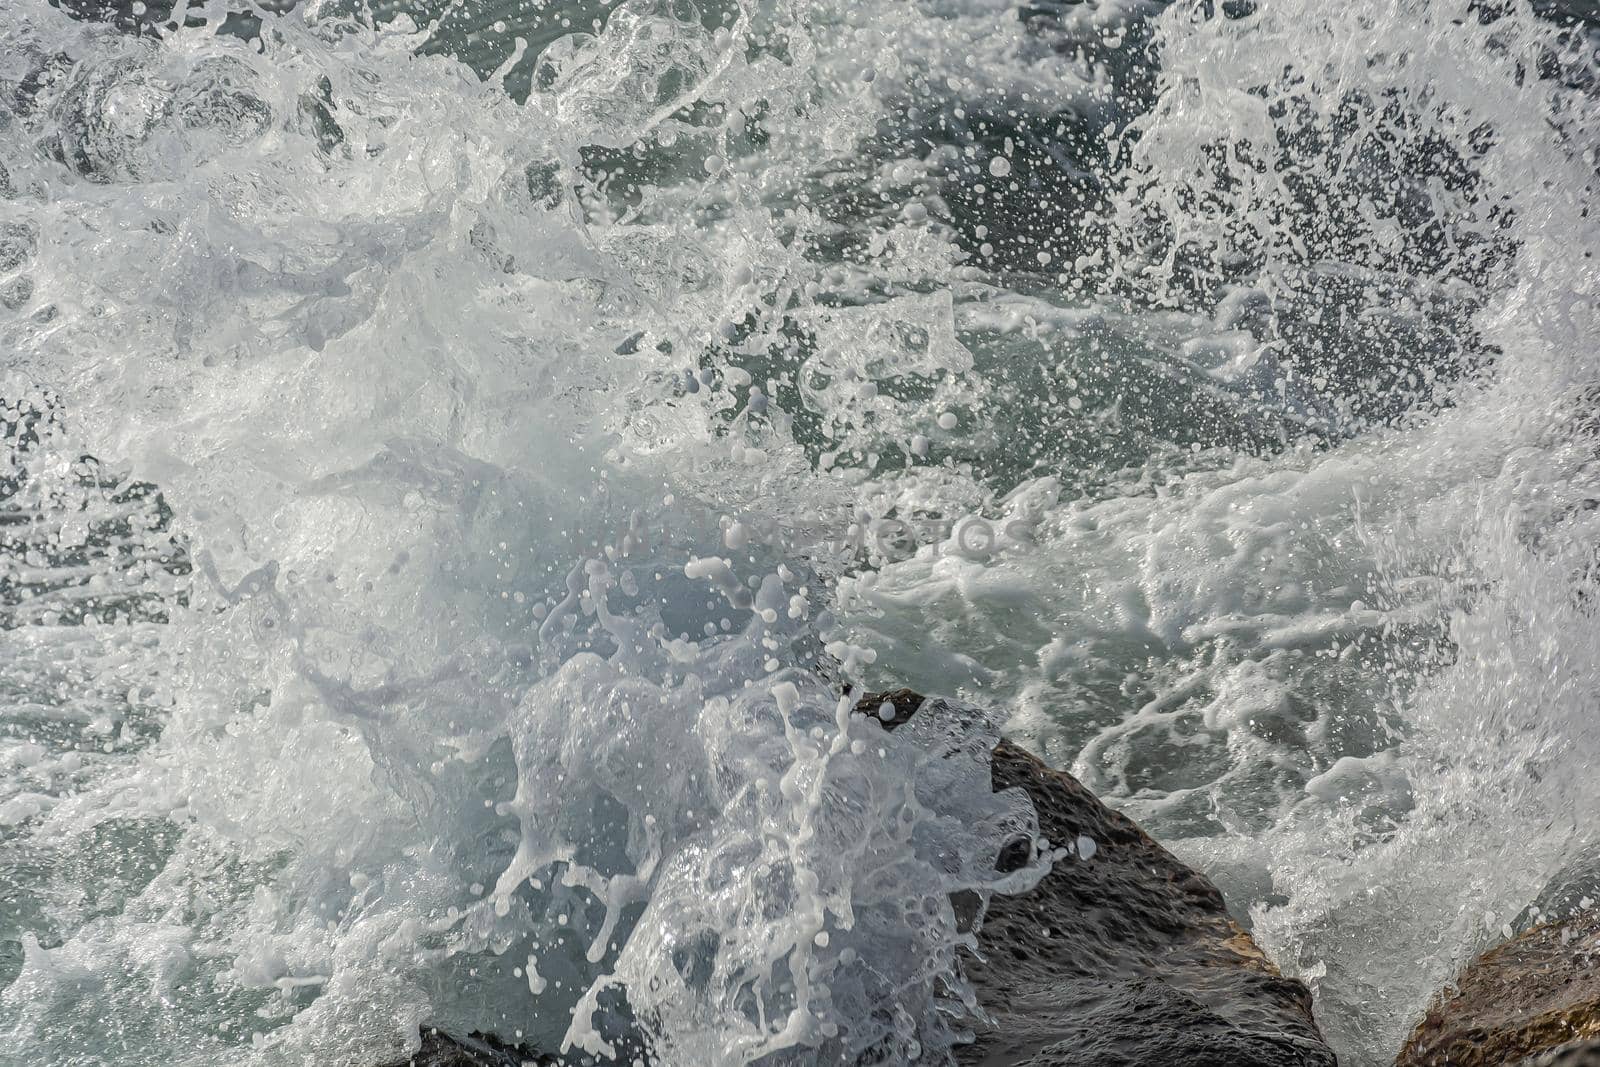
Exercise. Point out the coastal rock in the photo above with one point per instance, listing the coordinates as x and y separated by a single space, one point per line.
1534 1000
440 1049
1122 956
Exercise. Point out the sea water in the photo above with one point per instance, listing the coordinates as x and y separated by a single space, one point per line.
458 455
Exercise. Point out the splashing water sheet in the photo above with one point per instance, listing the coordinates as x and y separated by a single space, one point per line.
457 454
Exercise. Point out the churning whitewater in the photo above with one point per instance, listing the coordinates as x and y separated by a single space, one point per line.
459 455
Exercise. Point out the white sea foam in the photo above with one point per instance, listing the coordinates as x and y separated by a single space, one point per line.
1370 669
398 373
528 473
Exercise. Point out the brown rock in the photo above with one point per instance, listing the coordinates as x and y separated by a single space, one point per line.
1537 995
1122 956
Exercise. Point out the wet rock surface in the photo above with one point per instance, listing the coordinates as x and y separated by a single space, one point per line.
1122 956
1534 1000
440 1049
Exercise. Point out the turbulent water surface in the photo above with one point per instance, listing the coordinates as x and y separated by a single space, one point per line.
456 453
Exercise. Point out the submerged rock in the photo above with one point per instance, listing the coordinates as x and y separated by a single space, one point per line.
1534 1000
1122 956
